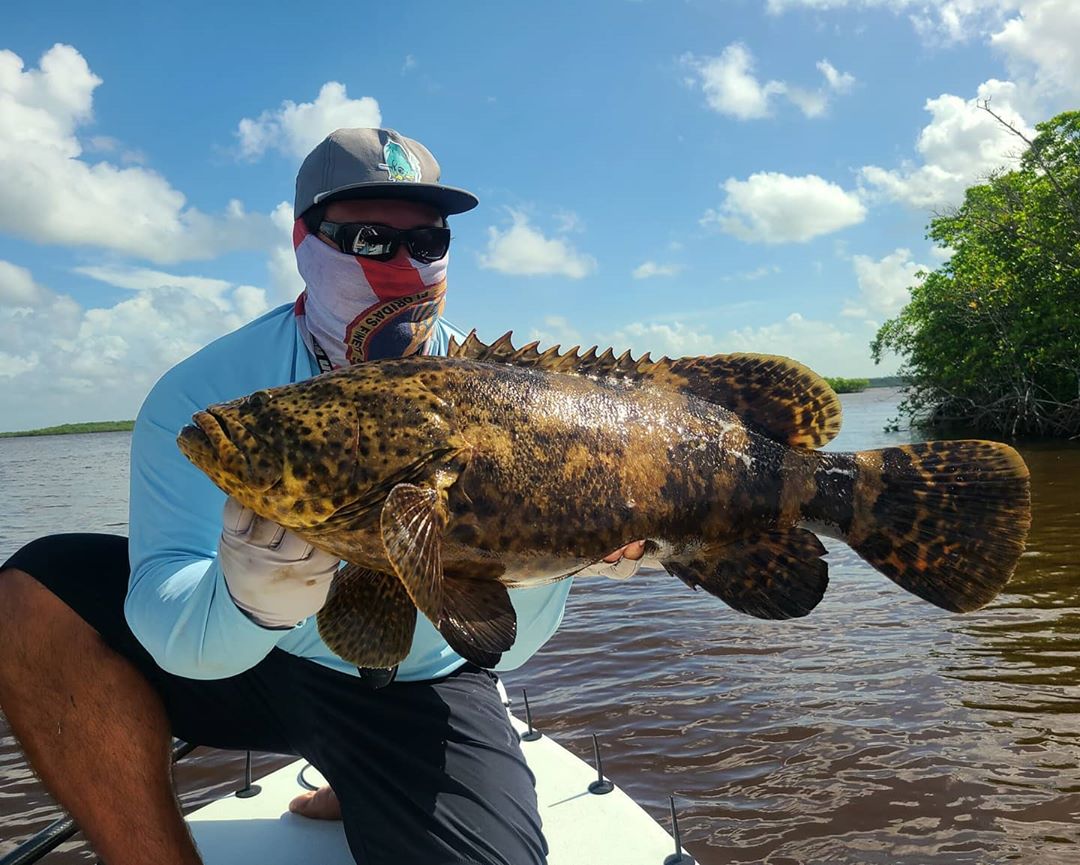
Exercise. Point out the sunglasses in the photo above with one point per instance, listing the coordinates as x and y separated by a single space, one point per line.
381 242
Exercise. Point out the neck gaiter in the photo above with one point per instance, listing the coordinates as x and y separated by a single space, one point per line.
355 309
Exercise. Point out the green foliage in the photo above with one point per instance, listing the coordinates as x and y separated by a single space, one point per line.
848 385
991 339
72 428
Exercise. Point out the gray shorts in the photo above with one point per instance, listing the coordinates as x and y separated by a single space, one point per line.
427 772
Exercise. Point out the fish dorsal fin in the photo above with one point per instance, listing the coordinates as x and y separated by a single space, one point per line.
786 400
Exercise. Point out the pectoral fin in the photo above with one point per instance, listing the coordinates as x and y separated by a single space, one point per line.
412 522
474 615
478 619
368 618
771 575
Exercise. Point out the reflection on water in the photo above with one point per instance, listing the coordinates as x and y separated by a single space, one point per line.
877 730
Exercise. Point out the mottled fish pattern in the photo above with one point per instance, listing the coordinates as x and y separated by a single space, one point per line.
444 481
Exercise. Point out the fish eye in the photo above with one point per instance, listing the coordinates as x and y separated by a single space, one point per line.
259 399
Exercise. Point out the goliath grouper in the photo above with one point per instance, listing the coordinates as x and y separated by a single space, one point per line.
443 481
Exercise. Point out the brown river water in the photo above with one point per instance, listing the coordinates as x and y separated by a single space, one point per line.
877 730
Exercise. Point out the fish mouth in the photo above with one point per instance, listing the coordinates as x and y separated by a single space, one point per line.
207 443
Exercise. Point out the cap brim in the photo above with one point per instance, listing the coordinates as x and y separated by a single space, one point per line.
446 199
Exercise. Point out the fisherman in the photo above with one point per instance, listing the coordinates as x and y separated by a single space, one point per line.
201 626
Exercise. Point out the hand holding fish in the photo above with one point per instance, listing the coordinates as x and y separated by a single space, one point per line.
632 551
275 576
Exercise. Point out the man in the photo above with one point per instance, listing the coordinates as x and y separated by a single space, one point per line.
107 647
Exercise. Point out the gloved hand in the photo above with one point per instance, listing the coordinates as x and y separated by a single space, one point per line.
619 565
273 575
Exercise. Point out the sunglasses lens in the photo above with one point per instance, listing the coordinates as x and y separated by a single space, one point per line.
429 244
369 240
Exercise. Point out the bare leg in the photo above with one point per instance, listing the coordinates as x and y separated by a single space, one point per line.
91 726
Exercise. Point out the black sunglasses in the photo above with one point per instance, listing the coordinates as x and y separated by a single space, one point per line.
381 242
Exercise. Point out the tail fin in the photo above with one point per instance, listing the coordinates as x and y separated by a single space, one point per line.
945 520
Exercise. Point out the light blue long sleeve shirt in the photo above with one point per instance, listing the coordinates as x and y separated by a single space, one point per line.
177 603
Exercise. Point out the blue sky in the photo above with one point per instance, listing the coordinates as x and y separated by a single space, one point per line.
680 177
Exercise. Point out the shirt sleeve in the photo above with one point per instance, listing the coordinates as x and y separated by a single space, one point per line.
177 603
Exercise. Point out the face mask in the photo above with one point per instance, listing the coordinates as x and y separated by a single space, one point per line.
355 309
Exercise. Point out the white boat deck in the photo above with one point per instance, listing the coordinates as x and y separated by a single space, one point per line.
581 828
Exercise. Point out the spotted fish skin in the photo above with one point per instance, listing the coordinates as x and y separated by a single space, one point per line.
496 468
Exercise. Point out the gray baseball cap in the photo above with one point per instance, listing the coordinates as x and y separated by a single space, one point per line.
375 163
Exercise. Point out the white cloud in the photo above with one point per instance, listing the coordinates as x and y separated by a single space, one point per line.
674 340
1040 45
11 366
522 250
142 279
841 82
285 281
821 345
556 330
295 129
62 362
770 207
935 19
883 285
960 146
49 194
17 286
731 87
752 275
1037 37
648 269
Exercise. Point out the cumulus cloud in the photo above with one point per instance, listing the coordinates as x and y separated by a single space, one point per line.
1040 46
64 362
732 88
841 82
51 194
769 207
960 146
821 345
1038 38
730 85
884 285
649 269
522 250
17 286
555 330
294 129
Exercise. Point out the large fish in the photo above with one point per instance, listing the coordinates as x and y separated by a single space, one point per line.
443 481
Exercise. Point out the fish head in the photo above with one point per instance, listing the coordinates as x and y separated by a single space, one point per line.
288 453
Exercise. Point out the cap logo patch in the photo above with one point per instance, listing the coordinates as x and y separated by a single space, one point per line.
400 163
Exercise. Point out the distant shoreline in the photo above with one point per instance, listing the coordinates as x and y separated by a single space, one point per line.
75 428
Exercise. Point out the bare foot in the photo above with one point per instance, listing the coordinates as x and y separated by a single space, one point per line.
321 804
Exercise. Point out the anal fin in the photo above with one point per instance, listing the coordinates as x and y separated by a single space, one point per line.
770 575
478 619
368 618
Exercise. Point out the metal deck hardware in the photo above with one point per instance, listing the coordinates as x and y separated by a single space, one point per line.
249 789
678 857
601 785
531 735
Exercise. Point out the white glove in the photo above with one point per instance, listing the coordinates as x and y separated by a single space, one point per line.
623 569
274 576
